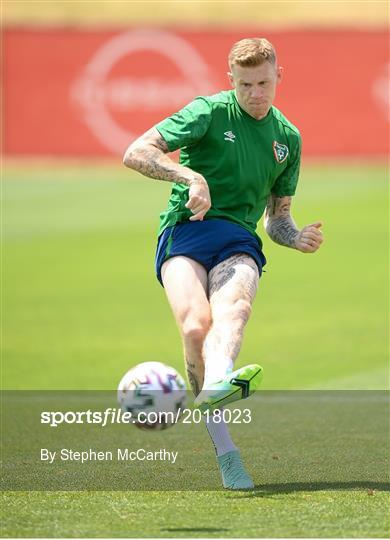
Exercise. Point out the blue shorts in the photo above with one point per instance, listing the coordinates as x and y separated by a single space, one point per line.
208 242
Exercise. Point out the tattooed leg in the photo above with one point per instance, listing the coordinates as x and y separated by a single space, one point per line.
195 371
232 289
185 283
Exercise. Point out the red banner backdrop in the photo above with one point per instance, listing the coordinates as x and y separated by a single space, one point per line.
77 92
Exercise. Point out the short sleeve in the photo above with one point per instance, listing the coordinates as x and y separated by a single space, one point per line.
187 126
285 185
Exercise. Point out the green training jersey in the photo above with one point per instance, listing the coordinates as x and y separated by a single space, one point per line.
242 159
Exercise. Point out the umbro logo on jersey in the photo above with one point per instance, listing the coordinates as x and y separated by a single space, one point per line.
280 151
229 136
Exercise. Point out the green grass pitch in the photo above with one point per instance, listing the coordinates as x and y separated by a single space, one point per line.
81 305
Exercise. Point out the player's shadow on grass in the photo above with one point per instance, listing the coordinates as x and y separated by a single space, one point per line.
194 529
266 490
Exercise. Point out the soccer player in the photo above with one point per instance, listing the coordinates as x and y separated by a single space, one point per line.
239 157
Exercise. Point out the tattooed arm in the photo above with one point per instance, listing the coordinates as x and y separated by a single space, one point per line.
281 227
147 155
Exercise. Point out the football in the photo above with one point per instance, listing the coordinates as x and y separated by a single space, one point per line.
154 393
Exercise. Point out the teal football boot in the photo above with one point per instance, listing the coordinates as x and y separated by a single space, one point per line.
234 475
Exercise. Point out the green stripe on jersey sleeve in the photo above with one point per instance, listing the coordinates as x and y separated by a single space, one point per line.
187 126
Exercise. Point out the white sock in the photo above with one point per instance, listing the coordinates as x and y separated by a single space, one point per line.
216 369
219 435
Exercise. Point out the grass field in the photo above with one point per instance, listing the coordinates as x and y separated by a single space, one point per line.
81 305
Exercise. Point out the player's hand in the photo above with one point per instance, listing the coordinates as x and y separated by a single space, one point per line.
309 238
199 201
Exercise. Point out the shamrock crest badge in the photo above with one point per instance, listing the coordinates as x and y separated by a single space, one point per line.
280 151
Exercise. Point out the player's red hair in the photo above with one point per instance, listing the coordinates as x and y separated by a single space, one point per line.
251 52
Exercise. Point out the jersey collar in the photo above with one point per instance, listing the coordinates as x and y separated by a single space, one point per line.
261 122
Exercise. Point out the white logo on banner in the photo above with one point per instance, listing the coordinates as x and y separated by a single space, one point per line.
98 94
381 91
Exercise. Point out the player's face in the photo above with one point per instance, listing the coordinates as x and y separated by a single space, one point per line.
255 87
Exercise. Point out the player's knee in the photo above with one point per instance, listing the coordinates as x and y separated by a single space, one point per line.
242 310
195 330
238 312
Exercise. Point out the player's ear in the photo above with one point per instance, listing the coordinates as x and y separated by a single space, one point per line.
279 74
230 77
